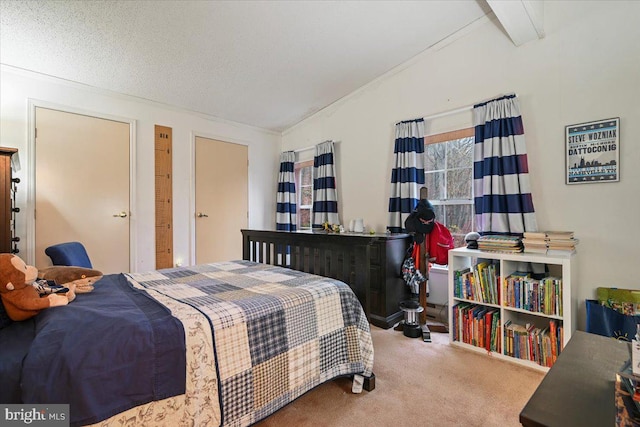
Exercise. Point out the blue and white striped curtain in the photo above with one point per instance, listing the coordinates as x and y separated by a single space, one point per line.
286 198
407 175
325 197
502 194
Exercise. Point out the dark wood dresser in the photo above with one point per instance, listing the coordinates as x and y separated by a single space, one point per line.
7 209
369 263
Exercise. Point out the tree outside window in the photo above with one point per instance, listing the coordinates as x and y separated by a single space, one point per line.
449 179
304 185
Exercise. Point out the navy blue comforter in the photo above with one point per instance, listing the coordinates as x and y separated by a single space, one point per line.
107 351
15 340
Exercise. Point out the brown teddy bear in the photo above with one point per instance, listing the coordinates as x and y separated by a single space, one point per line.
82 278
20 299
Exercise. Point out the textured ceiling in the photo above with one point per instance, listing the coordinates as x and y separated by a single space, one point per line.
263 63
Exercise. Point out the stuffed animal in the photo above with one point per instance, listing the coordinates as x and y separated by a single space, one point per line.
82 278
20 299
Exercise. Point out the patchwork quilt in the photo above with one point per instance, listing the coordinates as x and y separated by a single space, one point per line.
277 333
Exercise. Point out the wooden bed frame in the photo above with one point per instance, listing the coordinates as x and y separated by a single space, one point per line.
372 270
369 263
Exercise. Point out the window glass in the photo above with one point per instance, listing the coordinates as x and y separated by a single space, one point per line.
459 220
460 153
435 157
439 211
306 177
449 179
303 172
459 184
306 196
434 181
304 218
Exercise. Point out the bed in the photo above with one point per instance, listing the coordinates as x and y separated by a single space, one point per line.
214 344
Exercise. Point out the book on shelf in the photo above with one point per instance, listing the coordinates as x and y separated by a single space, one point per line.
488 329
537 296
534 246
478 283
534 242
535 235
560 247
477 325
564 235
560 252
553 330
500 243
528 342
562 243
535 249
511 286
546 241
495 332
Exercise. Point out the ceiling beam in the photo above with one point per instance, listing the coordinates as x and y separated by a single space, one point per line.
522 19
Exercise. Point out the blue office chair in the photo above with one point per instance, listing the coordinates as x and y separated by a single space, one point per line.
70 253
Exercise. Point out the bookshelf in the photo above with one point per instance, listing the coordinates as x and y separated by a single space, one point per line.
528 304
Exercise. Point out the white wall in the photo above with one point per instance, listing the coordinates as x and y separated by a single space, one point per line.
586 68
17 87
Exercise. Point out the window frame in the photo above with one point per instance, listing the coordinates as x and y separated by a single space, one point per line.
443 138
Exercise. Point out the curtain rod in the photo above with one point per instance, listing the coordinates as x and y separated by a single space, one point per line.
463 109
448 113
313 146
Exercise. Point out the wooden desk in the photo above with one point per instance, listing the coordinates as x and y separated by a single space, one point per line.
579 389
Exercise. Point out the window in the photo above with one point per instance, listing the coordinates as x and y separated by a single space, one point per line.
304 189
449 179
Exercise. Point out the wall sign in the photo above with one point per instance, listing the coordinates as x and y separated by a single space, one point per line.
593 152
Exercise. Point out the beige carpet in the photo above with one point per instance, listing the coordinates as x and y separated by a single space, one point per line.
419 384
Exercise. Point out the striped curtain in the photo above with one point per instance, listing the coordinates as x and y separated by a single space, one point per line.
325 197
502 194
407 175
286 198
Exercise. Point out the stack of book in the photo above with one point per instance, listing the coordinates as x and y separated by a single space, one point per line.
549 242
561 243
500 243
535 242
